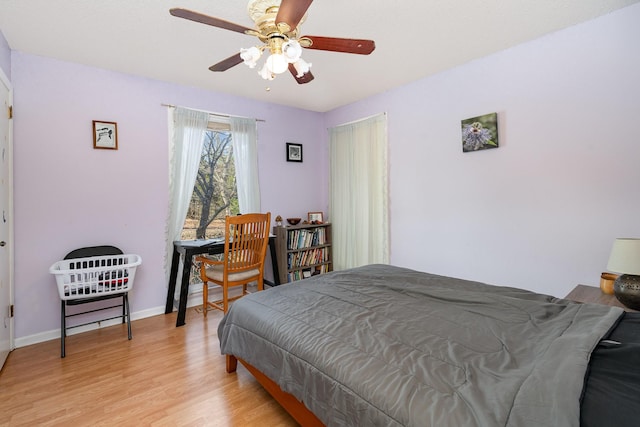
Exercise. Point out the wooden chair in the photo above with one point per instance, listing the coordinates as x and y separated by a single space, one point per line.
246 238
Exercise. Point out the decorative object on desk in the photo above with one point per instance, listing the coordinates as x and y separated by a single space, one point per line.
606 282
105 135
278 221
294 152
315 217
625 259
293 221
480 133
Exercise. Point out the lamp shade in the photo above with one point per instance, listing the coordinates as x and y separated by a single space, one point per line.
265 73
302 67
625 256
292 51
250 56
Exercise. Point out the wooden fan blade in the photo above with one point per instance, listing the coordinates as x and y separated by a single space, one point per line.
209 20
306 77
359 46
291 12
225 64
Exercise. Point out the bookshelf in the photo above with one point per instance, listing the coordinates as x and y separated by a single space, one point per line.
303 251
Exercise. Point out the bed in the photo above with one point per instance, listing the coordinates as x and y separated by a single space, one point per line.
383 345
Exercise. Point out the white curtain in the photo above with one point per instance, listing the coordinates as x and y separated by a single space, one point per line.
358 199
186 137
245 156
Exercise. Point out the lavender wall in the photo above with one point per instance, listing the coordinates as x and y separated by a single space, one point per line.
69 195
541 211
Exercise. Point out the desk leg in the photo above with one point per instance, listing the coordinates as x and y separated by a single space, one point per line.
274 261
175 262
184 288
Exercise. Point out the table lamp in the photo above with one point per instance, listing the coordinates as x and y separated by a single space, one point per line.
625 259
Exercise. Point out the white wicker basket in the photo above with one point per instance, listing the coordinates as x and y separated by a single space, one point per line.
95 276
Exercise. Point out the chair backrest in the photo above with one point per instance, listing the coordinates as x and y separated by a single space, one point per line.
246 239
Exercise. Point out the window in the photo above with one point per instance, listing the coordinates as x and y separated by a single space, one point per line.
358 193
215 193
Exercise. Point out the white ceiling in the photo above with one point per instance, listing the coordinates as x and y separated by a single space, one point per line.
414 39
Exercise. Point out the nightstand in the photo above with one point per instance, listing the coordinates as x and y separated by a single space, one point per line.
592 294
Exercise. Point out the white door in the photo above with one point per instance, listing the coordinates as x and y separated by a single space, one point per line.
6 220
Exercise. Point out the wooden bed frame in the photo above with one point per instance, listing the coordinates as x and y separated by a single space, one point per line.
293 406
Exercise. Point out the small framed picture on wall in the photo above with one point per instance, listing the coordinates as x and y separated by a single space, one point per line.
480 133
105 135
294 152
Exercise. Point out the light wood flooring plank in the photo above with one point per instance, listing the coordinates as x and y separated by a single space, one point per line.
164 376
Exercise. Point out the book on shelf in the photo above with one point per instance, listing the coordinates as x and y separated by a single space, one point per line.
306 258
306 238
303 251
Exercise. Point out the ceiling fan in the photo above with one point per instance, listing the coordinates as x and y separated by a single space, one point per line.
277 26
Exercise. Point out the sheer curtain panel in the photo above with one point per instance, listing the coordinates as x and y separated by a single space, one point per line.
358 199
245 156
186 137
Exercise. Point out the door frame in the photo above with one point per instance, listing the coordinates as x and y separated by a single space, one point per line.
10 246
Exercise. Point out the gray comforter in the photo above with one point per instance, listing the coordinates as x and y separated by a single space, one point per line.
383 346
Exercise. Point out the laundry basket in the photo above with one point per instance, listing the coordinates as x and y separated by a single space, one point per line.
83 279
95 276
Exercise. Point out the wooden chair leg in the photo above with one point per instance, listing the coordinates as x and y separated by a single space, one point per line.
225 298
205 297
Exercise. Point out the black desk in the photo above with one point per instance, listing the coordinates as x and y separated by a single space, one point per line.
190 248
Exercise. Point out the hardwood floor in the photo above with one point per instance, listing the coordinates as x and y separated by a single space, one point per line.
164 376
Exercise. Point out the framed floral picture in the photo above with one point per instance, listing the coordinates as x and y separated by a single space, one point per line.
105 135
480 133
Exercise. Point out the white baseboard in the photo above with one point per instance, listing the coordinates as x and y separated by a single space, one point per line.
195 299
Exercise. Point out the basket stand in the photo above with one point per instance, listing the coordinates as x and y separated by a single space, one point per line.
94 251
126 316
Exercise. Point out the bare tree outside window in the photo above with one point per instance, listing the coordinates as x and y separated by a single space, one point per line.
215 194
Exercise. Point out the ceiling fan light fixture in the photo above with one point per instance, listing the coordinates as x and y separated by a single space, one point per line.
292 51
302 67
277 26
265 73
277 63
250 56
